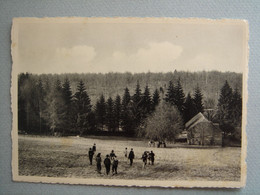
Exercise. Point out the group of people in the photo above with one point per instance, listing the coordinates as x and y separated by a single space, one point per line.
148 156
112 161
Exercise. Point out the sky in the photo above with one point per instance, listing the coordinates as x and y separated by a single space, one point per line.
101 47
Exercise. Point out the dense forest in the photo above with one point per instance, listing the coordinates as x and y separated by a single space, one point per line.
81 104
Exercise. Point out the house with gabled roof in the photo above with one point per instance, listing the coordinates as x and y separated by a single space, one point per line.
201 131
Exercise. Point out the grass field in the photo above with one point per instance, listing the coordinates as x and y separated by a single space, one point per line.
68 157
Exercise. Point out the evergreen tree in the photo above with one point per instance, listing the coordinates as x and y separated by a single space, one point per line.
67 115
155 99
117 112
82 108
198 100
146 102
110 119
100 112
236 108
135 107
126 120
137 97
179 97
170 94
224 112
190 109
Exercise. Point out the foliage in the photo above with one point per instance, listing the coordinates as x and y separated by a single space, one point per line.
164 124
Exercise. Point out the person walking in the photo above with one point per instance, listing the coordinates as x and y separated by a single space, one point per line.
125 153
98 161
94 148
90 155
131 156
107 163
144 158
114 165
151 157
112 154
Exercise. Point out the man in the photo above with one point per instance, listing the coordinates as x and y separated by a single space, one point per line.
114 165
131 156
144 158
98 160
107 163
151 156
94 148
90 155
112 154
125 152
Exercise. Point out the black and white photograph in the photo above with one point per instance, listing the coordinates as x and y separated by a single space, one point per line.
149 102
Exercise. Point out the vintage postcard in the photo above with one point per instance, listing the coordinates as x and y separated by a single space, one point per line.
148 102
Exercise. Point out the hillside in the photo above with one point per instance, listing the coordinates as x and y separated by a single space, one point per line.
111 84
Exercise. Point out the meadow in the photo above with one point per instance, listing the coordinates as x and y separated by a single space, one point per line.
68 157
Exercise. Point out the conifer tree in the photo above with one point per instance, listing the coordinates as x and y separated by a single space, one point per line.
67 96
179 97
117 112
100 112
126 120
82 108
146 102
198 100
155 99
170 94
190 109
236 108
110 119
224 112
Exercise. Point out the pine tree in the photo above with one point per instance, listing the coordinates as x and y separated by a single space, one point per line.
155 99
100 112
135 107
236 108
67 96
126 120
190 109
170 94
146 102
179 97
198 100
82 108
137 97
117 112
224 112
110 119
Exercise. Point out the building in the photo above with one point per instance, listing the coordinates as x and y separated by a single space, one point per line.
201 131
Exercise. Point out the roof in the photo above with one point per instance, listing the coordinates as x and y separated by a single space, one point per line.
198 118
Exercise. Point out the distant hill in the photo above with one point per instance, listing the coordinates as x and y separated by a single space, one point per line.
111 84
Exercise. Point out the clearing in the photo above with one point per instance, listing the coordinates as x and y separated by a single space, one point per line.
68 157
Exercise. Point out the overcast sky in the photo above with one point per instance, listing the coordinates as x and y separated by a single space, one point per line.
134 47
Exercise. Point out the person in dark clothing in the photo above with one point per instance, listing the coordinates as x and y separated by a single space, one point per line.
151 157
144 158
114 165
112 154
90 155
107 163
98 161
94 148
131 156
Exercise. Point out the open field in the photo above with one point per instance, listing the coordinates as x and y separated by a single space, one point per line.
68 157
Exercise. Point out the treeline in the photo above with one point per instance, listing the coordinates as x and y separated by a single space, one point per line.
48 105
113 84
